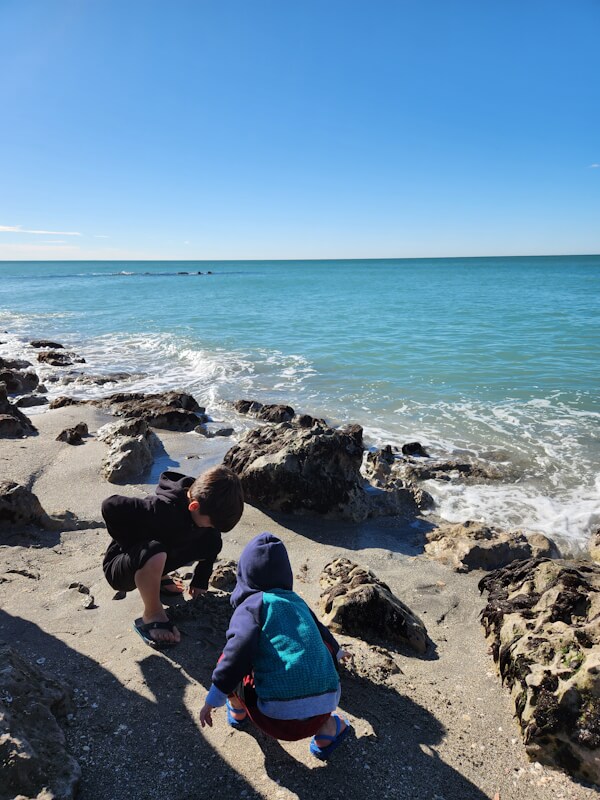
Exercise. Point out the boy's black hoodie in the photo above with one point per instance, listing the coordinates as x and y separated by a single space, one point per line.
163 519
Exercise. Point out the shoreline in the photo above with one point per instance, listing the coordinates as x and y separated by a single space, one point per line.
439 726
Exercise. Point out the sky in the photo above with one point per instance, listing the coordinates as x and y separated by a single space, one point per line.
272 129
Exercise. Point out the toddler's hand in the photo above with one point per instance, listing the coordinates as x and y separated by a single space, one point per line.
205 715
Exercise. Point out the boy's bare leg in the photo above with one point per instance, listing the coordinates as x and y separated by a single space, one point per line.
328 728
147 580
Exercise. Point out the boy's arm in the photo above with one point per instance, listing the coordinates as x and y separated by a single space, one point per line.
205 564
239 651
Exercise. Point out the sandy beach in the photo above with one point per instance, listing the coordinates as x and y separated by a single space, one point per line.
439 726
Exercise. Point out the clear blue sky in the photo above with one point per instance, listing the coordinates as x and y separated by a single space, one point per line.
279 129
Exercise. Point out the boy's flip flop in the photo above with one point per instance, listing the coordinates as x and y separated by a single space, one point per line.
143 629
323 753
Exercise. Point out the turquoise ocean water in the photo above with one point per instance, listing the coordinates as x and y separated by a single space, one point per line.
494 357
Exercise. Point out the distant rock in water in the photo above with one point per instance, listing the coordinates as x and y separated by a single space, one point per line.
46 343
354 601
414 449
543 618
57 358
35 761
269 413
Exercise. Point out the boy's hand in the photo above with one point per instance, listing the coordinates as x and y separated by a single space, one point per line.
194 592
205 715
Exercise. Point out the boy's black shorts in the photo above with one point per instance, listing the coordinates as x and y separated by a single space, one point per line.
120 567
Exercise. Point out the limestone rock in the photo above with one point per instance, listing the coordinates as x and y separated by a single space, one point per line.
73 435
19 506
473 545
453 469
288 468
131 448
176 411
224 576
391 493
33 757
543 617
12 421
355 602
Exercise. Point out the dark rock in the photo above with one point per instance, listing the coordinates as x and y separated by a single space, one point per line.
247 406
46 343
543 619
414 449
355 602
73 435
287 468
224 576
32 400
59 359
19 382
61 402
19 506
268 413
473 545
176 411
35 761
210 431
12 421
306 421
14 363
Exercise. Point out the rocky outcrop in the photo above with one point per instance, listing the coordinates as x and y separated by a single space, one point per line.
13 423
89 379
131 446
34 760
288 468
391 493
224 576
14 363
543 619
73 435
19 506
175 411
355 602
451 469
473 545
59 358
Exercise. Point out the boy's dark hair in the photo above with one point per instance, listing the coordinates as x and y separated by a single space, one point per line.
219 492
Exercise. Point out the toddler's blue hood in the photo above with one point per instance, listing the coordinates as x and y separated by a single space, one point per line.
263 565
